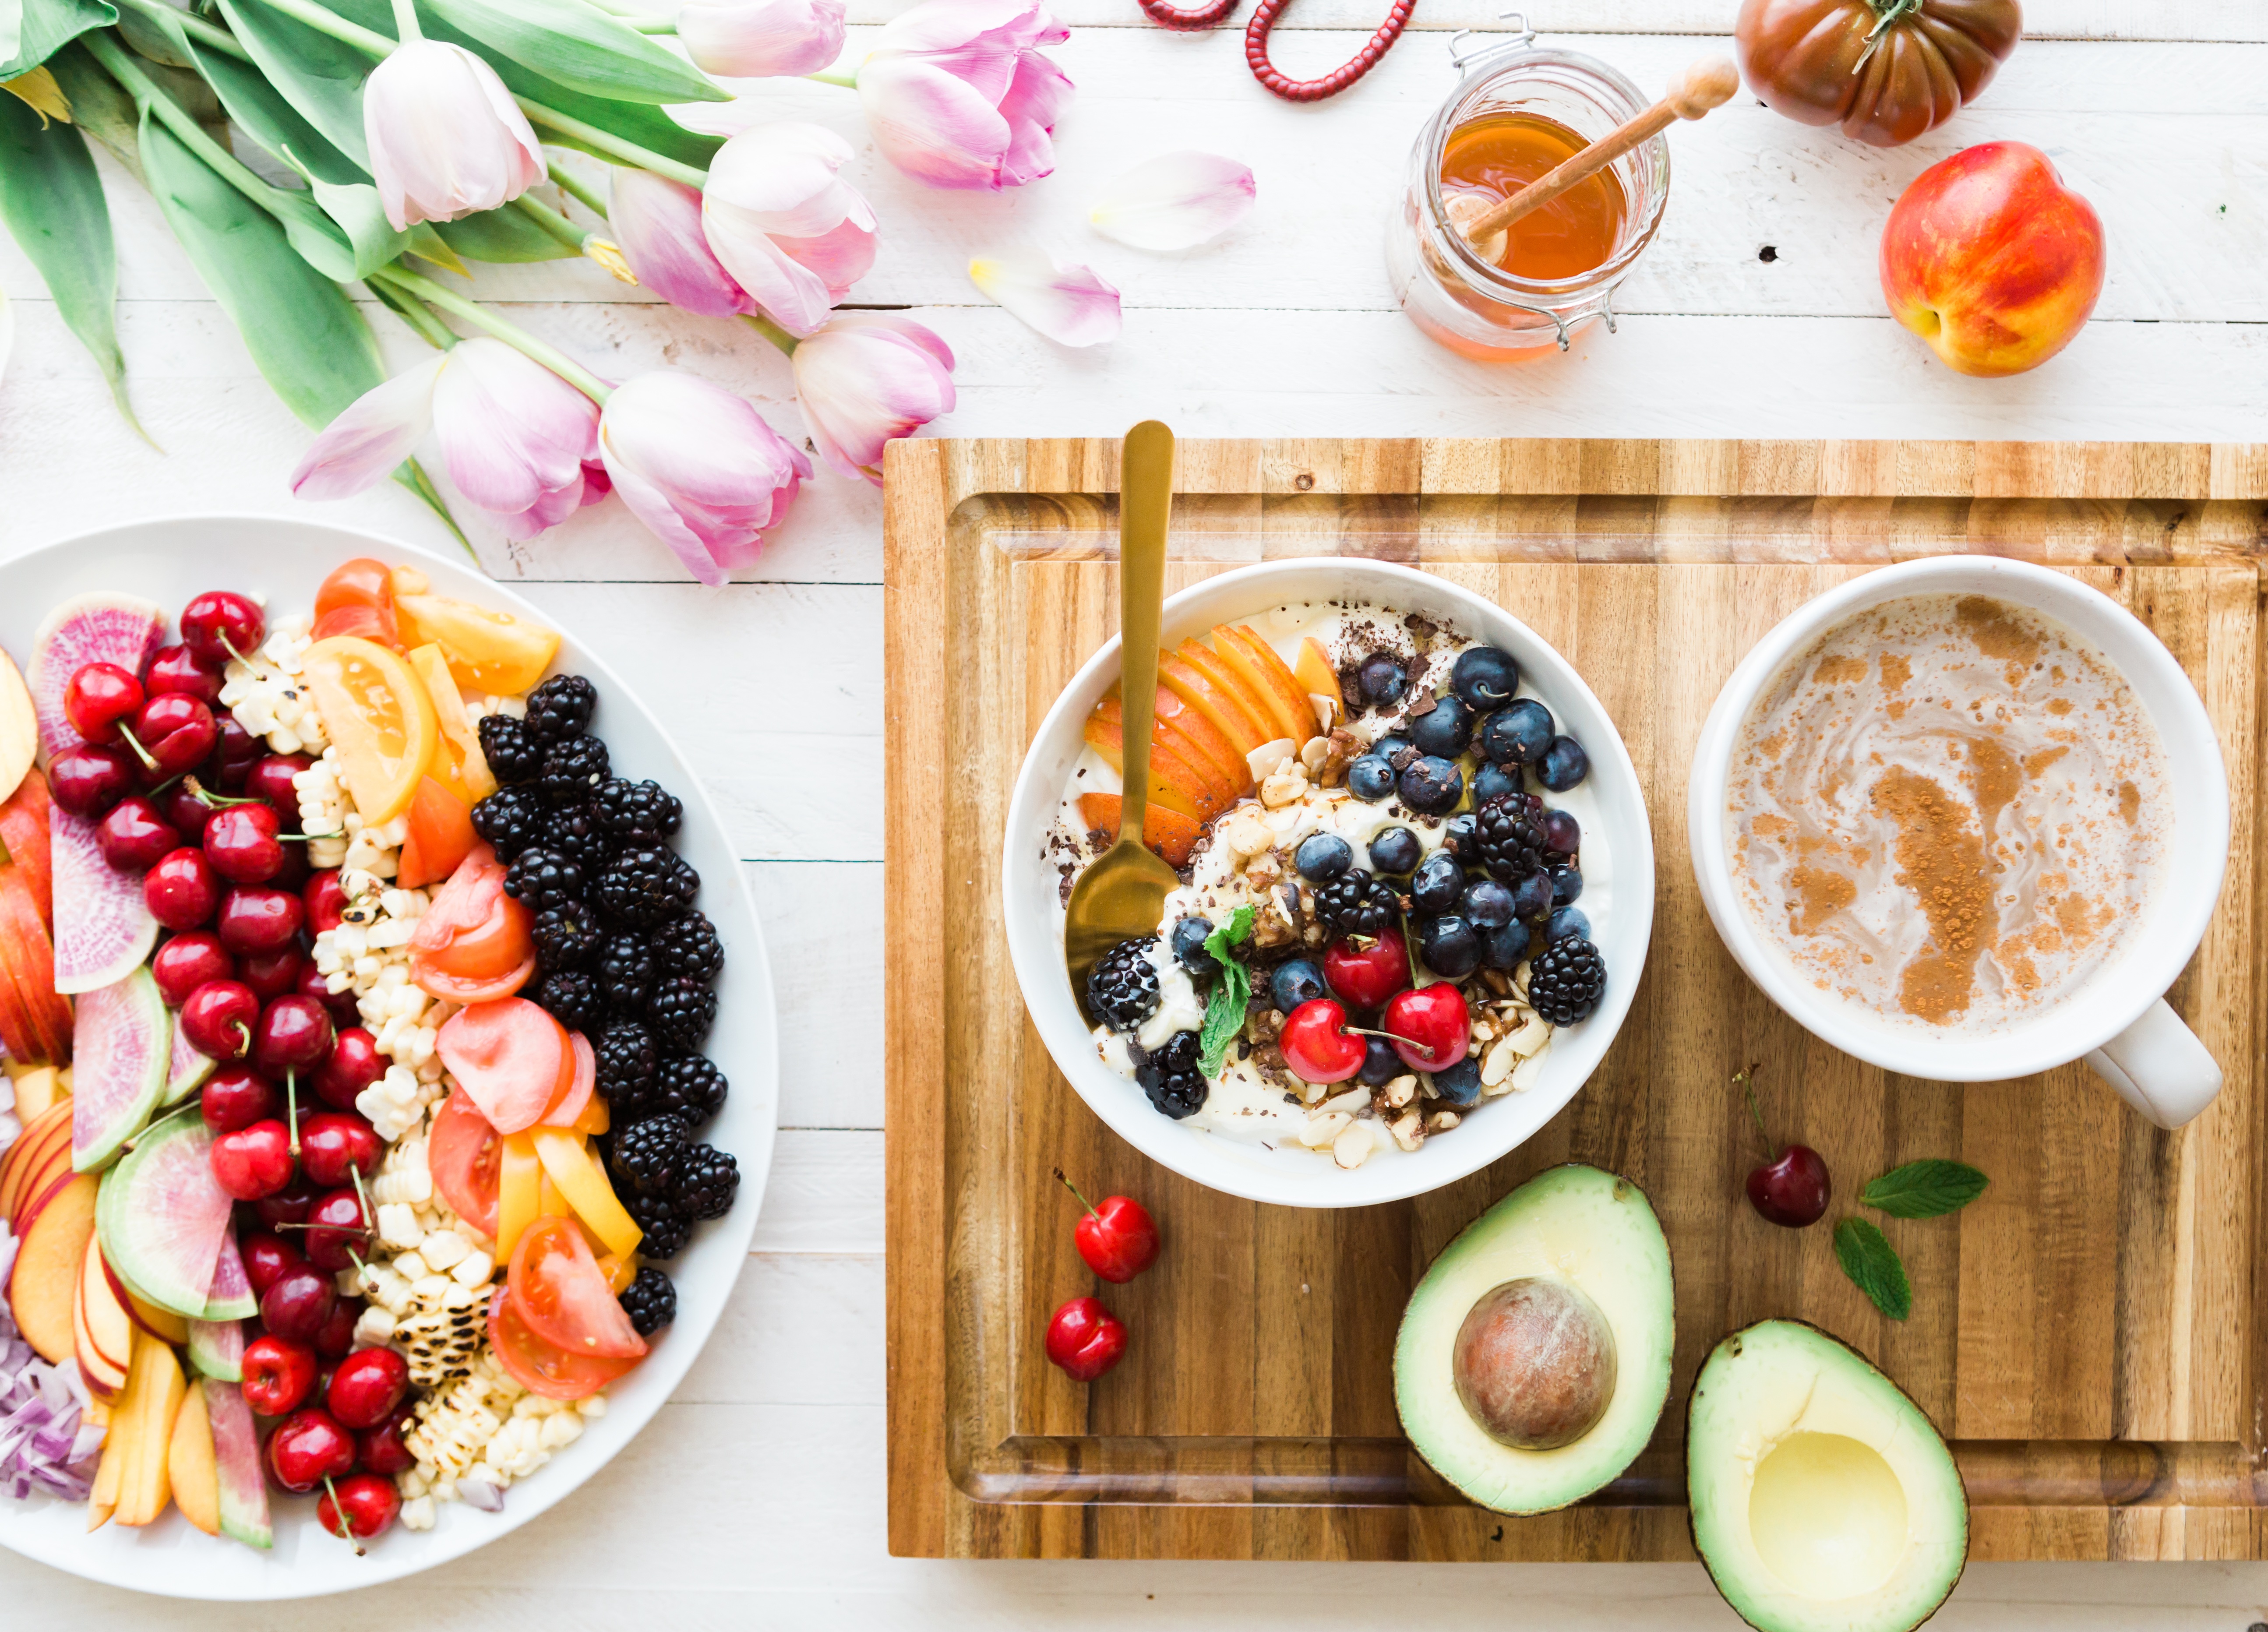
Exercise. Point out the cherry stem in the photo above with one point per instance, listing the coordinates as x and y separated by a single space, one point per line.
1748 1088
140 752
345 1532
369 1213
1073 1189
243 1032
229 646
291 1105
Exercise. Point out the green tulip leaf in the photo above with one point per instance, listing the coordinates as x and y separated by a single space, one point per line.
99 106
500 235
44 28
317 75
581 48
268 117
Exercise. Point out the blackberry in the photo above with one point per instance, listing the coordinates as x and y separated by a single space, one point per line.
514 756
648 1154
1358 903
650 1301
566 936
510 820
540 878
1509 837
680 1012
664 1228
707 1181
646 809
1122 987
572 997
647 885
573 830
627 1063
1171 1077
561 707
1565 982
691 1085
627 972
688 947
573 770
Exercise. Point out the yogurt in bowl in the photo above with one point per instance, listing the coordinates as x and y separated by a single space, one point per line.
1348 870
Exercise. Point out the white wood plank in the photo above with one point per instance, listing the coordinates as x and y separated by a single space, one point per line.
824 1194
823 928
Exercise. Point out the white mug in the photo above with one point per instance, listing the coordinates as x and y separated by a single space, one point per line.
2119 1021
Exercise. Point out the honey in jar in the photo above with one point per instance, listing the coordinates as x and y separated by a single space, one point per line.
1494 157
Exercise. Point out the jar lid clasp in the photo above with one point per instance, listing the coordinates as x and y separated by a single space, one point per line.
1518 38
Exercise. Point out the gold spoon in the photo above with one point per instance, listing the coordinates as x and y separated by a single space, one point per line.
1123 894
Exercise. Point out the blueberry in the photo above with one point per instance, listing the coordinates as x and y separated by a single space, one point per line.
1445 729
1563 765
1396 850
1380 1064
1493 781
1531 897
1298 982
1567 921
1485 677
1567 884
1432 786
1449 946
1487 904
1391 747
1381 679
1562 833
1322 857
1459 836
1439 885
1190 946
1460 1085
1517 734
1508 946
1370 779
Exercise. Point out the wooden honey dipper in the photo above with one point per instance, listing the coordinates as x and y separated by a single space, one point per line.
1701 87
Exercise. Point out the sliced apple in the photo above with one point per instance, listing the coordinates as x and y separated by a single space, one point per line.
1271 675
42 1028
37 1092
23 828
19 726
23 1160
103 1319
43 1290
1103 736
1172 834
105 1377
1313 670
155 1388
190 1466
1228 716
1210 787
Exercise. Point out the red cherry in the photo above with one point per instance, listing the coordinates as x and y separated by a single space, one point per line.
294 1034
324 900
134 835
1368 976
254 918
235 1096
337 1231
99 698
291 1205
187 961
183 805
240 843
299 1305
308 1449
176 669
334 1145
1118 1238
381 1449
1430 1028
1791 1189
218 1019
268 1259
177 732
180 890
338 1336
359 1508
354 1065
233 758
271 779
367 1387
253 1162
273 974
221 624
314 984
1085 1339
1318 1046
278 1374
87 780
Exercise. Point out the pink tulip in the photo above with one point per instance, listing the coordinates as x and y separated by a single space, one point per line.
700 467
866 378
957 94
518 441
445 137
758 39
792 234
657 223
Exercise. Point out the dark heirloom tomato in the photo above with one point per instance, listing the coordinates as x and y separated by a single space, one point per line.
1885 70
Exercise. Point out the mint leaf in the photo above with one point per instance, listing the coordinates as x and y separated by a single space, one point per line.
1874 1267
1235 932
1925 1189
1231 993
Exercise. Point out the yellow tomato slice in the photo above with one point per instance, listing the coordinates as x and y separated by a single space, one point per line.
519 1191
459 764
490 652
378 716
567 1162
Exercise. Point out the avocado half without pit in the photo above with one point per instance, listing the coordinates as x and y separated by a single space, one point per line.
1822 1496
1533 1360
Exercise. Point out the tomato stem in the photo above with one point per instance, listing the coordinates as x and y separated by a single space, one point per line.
1888 15
1073 1189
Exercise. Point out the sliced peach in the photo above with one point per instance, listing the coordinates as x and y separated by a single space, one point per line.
155 1389
43 1288
1275 674
1210 787
191 1467
1103 736
103 1320
1274 710
1229 683
1197 728
1170 834
37 1092
1227 714
1313 670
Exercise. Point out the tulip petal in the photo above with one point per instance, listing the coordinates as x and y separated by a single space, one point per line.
1069 305
936 127
512 430
700 467
657 223
866 378
1031 108
759 39
791 232
445 137
942 25
370 436
1176 201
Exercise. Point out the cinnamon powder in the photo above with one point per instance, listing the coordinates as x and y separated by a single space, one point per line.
1941 854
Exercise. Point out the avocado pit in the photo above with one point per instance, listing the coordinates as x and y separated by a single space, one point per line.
1534 1364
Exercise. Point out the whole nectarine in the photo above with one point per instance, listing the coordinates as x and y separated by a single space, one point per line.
1991 259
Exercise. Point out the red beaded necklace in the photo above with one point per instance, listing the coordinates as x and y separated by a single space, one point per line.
1255 43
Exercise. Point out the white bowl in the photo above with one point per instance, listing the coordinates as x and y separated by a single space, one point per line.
1618 899
168 562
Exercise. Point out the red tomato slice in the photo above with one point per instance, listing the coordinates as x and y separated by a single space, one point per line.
450 989
474 930
367 621
507 1055
464 1153
544 1368
440 837
559 1289
569 1105
361 587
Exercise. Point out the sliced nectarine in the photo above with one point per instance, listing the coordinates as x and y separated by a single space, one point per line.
1228 715
1273 672
43 1288
24 1158
1257 701
155 1389
190 1466
1313 670
1103 737
117 1450
104 1322
37 1092
1198 730
1210 787
1168 832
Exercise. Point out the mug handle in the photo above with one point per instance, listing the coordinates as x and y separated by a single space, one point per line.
2159 1067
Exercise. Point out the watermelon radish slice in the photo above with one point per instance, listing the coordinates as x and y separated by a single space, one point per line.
98 627
236 1448
103 926
162 1219
186 1072
231 1298
216 1348
122 1043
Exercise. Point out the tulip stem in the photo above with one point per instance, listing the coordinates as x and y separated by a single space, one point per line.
324 21
770 331
417 314
551 220
405 21
558 362
568 182
607 143
148 95
847 78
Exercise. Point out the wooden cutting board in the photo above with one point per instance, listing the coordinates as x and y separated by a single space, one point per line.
2087 1333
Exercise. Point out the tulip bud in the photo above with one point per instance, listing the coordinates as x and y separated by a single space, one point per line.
958 95
657 223
791 232
445 138
756 39
700 467
868 377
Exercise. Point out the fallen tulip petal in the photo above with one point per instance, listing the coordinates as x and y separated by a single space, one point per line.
1071 306
1177 200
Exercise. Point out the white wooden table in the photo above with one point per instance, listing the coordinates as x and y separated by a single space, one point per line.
756 1499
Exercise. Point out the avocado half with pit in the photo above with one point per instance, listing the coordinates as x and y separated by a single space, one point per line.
1533 1357
1823 1498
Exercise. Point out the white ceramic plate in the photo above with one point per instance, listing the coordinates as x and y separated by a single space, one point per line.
169 561
1618 898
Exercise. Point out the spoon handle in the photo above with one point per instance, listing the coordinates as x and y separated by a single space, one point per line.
1145 496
